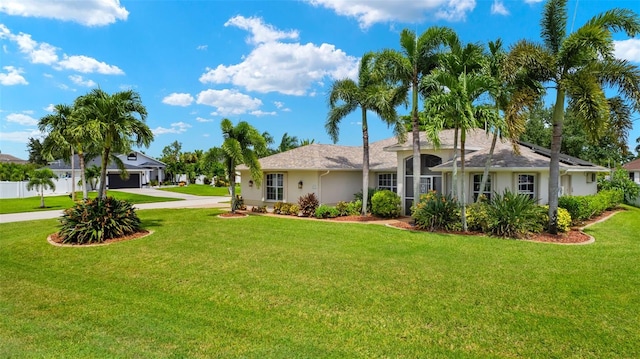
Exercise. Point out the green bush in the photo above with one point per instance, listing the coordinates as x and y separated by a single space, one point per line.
370 193
352 208
259 209
386 204
281 208
611 197
478 216
97 220
620 180
308 204
324 211
512 215
583 208
564 219
435 211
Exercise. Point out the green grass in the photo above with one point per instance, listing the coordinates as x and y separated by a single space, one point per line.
32 204
201 190
264 287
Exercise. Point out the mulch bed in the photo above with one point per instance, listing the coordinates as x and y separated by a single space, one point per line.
57 240
232 215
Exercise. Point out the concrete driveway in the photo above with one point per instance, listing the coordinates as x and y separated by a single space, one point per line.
189 201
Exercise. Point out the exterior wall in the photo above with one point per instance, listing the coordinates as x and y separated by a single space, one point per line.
340 186
581 187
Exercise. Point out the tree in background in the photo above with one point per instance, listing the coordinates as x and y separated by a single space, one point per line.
241 145
40 180
34 147
171 157
370 93
578 66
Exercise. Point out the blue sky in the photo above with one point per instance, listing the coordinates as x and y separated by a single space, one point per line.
195 62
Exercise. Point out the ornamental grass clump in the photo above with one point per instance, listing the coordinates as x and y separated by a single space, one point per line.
436 211
513 215
97 220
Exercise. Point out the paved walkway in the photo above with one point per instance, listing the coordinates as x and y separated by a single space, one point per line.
189 201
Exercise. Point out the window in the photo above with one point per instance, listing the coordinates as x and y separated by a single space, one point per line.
275 187
388 181
477 181
527 185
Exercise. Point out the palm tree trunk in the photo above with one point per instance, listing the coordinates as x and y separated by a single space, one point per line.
41 196
487 165
415 122
365 162
102 190
463 199
83 178
232 185
454 175
554 164
73 175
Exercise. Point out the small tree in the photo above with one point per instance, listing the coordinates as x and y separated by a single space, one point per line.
40 180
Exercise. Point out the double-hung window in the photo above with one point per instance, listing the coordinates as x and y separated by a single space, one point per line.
527 185
275 187
388 181
477 182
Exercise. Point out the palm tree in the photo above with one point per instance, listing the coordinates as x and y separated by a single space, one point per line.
92 174
371 93
241 145
118 121
40 180
459 83
417 58
287 143
307 141
578 66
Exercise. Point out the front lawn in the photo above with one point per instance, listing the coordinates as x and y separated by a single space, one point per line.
201 190
265 287
32 204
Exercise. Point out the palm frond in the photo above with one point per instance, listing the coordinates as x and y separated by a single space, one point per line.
554 24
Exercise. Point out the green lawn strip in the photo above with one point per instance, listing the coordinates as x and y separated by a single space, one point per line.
32 204
202 286
200 190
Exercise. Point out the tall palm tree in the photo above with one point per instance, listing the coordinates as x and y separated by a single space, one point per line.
461 83
287 142
119 122
578 66
40 180
241 145
370 93
418 57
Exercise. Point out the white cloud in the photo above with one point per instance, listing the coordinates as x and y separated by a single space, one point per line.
176 127
260 32
20 136
12 77
280 106
50 108
202 47
228 102
178 99
369 12
85 12
628 49
44 53
80 81
259 113
288 68
200 119
21 119
533 1
87 64
498 8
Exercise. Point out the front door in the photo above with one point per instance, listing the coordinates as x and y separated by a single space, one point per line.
429 180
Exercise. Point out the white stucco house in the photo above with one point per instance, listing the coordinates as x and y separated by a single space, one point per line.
633 168
334 173
141 169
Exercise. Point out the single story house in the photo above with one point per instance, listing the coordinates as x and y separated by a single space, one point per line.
334 173
141 169
633 168
6 158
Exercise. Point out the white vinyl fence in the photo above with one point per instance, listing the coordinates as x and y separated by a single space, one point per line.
19 189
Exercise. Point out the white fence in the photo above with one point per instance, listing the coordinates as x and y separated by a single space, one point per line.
19 189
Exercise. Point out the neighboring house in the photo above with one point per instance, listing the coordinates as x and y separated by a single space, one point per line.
141 169
5 158
633 168
334 173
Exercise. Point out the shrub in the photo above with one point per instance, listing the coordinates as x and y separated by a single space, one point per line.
294 210
259 209
370 193
206 181
278 206
512 215
308 204
436 211
97 220
583 208
324 211
620 180
352 208
386 204
611 197
478 216
564 219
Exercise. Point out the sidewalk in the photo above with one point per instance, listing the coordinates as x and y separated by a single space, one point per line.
189 201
